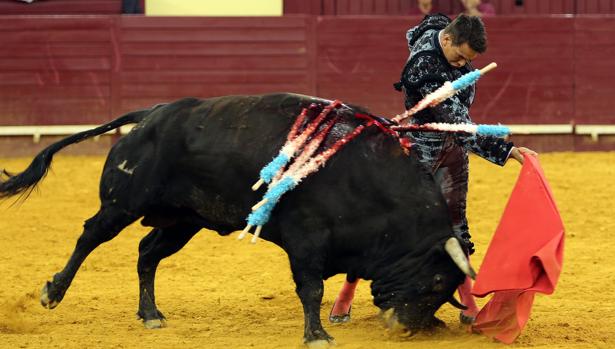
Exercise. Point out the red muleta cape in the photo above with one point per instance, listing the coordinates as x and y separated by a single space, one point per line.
524 256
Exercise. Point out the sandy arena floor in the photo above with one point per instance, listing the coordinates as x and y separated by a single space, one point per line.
221 293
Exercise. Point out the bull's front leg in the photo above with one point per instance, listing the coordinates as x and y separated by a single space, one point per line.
310 289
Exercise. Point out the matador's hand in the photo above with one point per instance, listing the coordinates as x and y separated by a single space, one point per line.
517 153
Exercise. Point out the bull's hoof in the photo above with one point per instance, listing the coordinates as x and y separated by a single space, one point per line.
153 321
320 344
318 339
436 323
154 324
47 299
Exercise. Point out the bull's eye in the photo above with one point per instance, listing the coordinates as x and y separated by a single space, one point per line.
438 283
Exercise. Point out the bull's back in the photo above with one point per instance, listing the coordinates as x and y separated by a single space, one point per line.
201 154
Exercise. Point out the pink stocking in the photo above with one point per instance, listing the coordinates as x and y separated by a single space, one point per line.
466 298
341 308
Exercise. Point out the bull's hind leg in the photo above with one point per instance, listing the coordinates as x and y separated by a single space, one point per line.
158 244
102 227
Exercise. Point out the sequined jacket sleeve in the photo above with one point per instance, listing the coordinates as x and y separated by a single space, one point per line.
425 75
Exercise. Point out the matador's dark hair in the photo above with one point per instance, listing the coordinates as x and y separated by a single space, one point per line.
468 29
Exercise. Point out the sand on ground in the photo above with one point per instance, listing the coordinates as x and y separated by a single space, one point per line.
221 293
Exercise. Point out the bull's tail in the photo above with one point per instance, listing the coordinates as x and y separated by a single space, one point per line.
27 180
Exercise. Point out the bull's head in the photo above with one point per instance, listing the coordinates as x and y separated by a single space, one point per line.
410 305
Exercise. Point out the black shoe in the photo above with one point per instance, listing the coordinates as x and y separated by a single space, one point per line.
466 319
339 319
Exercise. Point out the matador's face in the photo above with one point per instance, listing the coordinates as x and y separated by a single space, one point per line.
457 55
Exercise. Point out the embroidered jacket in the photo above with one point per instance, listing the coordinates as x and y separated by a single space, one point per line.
425 71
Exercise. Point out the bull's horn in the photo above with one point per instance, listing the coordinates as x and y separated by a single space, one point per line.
454 250
454 302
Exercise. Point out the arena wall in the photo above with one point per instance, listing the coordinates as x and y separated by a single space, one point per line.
402 7
62 7
553 76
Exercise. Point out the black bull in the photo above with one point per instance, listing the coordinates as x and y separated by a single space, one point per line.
372 212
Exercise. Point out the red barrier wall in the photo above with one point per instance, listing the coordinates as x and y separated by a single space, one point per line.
358 60
535 81
71 69
594 41
165 58
55 70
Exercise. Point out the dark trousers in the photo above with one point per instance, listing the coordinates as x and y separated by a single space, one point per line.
448 162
